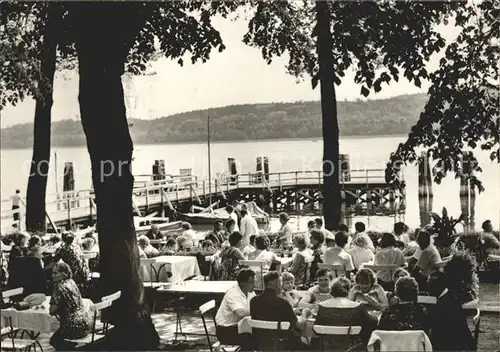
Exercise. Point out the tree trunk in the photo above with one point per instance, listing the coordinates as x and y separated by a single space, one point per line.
101 54
37 182
331 187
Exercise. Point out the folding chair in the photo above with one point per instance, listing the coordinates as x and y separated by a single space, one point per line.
7 295
147 263
112 297
351 331
279 326
334 268
204 309
10 343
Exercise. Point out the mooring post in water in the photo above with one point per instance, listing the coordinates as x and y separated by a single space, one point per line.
465 188
259 167
159 170
265 161
345 168
233 171
68 184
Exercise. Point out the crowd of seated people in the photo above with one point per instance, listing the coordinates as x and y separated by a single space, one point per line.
298 291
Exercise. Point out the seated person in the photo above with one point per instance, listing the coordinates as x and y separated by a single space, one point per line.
388 255
338 255
366 290
187 231
317 239
288 289
406 314
428 257
171 247
184 244
217 236
396 275
299 266
319 292
207 246
262 252
35 247
448 322
235 306
67 304
154 233
250 248
281 311
147 248
230 257
341 311
361 251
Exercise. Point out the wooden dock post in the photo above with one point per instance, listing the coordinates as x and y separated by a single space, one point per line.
69 185
233 171
265 161
258 176
345 168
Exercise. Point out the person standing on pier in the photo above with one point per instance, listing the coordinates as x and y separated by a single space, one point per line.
16 201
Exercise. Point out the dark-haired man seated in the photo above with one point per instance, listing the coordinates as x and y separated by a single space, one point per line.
268 306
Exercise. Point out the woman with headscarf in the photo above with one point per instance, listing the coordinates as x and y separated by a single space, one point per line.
67 304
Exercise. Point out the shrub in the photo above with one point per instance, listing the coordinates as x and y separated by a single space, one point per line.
461 274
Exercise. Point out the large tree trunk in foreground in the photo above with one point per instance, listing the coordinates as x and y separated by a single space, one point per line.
37 182
331 187
104 30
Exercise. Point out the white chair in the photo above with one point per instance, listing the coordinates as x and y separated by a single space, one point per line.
259 274
426 300
399 341
7 296
11 343
278 326
381 267
323 330
204 309
112 297
334 268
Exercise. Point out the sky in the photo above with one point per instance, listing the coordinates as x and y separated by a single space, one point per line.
238 75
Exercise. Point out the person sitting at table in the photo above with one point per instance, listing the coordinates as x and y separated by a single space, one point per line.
338 255
401 233
235 306
341 311
230 257
262 252
147 248
407 314
35 247
285 234
447 319
317 238
396 275
388 255
360 251
427 258
187 231
20 245
72 254
67 304
288 289
250 248
171 247
89 245
366 290
281 311
320 292
154 233
217 236
230 228
53 244
299 266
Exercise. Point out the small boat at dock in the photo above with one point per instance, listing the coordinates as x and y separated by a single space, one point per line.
210 216
143 224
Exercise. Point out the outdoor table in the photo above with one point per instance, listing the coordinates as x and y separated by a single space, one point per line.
36 319
200 287
179 267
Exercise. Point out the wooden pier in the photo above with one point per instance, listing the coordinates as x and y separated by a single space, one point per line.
294 192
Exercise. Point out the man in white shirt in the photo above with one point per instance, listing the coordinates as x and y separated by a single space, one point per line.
235 306
16 201
319 226
337 254
248 227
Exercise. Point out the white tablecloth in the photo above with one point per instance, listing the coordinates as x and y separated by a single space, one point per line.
35 319
179 267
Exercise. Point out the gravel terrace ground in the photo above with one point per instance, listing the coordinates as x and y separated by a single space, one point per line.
489 336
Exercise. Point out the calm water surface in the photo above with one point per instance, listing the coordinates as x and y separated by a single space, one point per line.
295 155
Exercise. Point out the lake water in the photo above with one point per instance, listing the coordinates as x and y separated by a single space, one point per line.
290 155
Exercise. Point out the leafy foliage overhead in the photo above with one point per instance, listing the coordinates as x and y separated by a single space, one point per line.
463 109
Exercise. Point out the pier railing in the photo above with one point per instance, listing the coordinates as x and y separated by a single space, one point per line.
180 187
